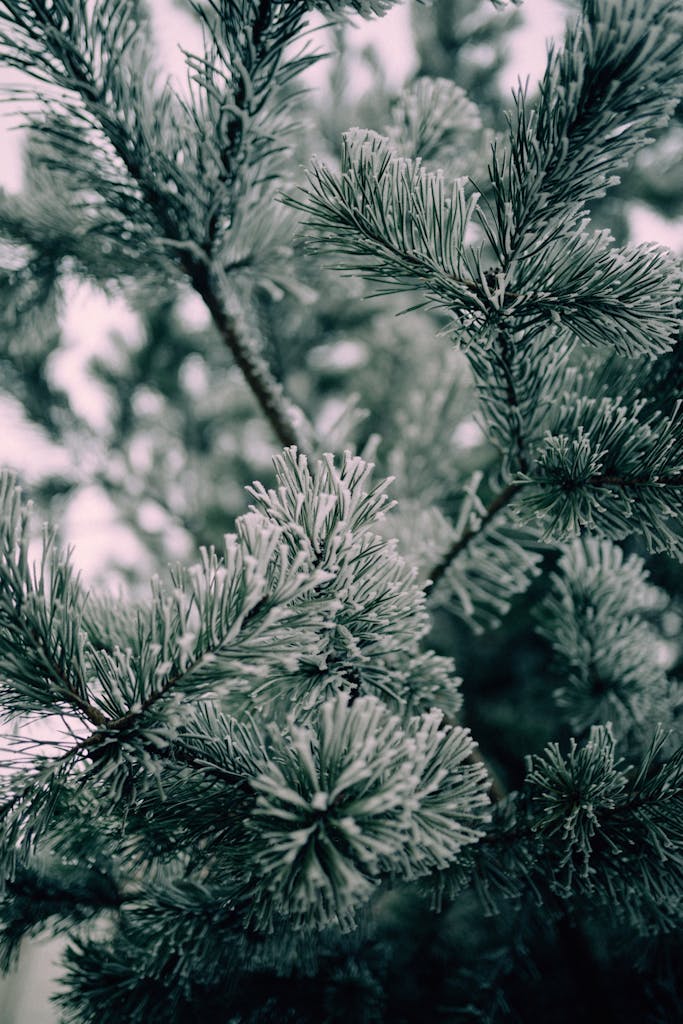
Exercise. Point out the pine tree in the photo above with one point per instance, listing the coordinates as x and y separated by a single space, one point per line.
258 791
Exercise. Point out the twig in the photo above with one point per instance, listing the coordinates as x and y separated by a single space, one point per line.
506 357
194 259
500 501
268 392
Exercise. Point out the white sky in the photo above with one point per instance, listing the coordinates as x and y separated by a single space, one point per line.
89 317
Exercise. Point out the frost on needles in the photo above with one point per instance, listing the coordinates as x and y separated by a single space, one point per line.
536 284
284 680
236 793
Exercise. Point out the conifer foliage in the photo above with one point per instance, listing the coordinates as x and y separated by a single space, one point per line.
238 795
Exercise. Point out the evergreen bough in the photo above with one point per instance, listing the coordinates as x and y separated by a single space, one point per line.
228 795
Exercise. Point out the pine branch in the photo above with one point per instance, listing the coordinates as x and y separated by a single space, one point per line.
583 830
85 58
611 466
619 69
659 448
268 392
597 618
268 744
400 226
497 504
66 685
555 162
46 894
42 653
504 343
189 752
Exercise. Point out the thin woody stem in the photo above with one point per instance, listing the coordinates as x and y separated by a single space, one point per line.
517 436
266 389
194 259
500 501
497 790
504 497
